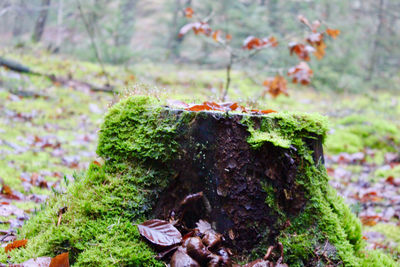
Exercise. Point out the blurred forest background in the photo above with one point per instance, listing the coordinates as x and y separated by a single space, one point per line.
49 122
366 55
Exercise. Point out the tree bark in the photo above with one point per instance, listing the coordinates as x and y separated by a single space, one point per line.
219 162
375 47
41 21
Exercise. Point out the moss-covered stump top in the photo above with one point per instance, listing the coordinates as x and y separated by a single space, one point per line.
262 178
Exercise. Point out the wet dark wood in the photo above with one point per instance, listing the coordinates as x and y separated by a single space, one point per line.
216 159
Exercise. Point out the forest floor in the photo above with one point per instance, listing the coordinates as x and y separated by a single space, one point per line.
48 132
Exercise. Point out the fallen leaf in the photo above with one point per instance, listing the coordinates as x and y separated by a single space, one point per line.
16 244
160 232
258 263
180 258
203 226
61 260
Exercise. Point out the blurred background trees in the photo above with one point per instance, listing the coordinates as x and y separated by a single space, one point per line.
366 55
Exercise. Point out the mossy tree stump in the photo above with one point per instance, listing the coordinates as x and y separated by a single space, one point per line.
215 157
262 179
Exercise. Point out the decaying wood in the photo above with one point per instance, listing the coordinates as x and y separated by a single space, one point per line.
218 161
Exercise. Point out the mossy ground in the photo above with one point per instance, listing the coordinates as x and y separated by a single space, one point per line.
375 126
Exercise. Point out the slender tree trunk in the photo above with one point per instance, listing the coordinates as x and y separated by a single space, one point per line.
375 47
41 21
126 23
174 41
59 23
18 20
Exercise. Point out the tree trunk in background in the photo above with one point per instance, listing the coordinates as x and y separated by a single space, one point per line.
274 16
126 22
41 21
175 41
376 44
59 24
18 20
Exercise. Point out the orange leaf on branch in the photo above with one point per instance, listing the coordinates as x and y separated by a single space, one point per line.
216 35
301 73
320 50
197 27
301 50
313 27
304 20
315 38
252 42
275 86
189 12
332 32
317 41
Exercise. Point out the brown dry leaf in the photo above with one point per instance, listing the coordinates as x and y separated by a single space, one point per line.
216 35
270 41
197 27
320 50
252 42
369 220
16 244
332 32
61 260
301 73
301 50
6 190
189 12
160 232
304 20
203 226
275 86
315 38
267 111
202 27
180 258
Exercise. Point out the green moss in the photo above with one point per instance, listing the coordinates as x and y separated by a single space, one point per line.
137 128
98 228
281 129
356 132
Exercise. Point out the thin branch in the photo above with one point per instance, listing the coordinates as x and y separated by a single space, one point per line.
92 41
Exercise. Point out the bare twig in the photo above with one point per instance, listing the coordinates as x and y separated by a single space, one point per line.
228 77
92 41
